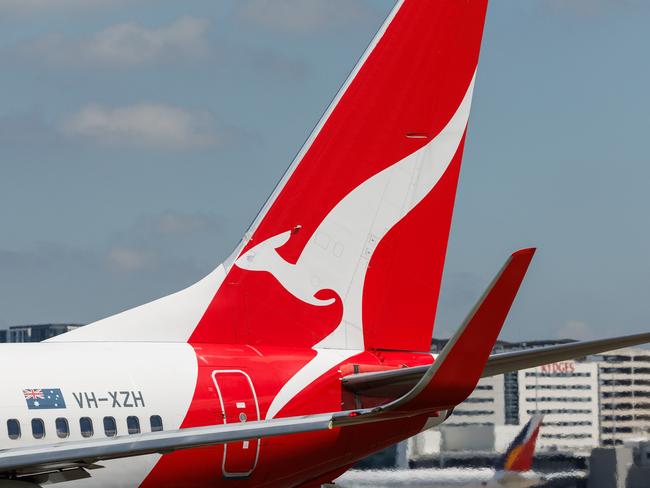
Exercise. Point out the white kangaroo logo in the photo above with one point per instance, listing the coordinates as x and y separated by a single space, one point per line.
292 277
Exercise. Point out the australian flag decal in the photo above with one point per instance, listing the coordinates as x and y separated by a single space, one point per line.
45 398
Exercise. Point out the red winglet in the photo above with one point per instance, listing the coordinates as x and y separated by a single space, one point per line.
458 368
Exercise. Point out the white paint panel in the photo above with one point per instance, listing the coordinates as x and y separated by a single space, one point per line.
325 360
169 319
163 374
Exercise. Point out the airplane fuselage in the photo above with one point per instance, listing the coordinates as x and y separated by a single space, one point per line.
61 392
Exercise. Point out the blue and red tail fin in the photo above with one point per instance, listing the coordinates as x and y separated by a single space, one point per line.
519 456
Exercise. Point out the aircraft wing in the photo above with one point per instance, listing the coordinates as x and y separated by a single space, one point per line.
75 456
394 382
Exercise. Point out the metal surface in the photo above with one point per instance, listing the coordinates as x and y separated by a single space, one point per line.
397 382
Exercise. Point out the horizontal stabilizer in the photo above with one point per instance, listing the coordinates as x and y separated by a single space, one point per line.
512 361
391 383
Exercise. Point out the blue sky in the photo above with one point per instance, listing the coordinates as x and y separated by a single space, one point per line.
222 94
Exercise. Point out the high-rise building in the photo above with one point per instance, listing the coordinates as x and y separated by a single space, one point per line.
624 395
566 393
598 400
486 404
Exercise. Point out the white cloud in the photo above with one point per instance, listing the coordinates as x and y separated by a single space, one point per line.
128 260
125 45
302 16
156 125
575 329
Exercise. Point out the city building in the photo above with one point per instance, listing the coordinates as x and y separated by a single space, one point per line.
37 333
599 400
624 395
567 394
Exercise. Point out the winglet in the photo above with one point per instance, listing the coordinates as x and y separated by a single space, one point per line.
458 368
456 371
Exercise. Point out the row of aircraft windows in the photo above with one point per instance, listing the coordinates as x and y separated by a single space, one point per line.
85 425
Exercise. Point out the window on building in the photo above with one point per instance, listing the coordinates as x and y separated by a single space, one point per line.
156 423
619 430
13 429
616 382
559 399
550 411
62 427
86 426
133 424
558 387
578 423
511 397
530 374
38 428
110 427
479 400
466 413
617 370
566 436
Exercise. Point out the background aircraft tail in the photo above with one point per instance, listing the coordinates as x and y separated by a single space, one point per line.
519 456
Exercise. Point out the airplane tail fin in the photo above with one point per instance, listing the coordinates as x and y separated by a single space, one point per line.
353 239
519 456
352 242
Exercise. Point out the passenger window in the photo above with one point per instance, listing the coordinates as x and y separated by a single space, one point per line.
38 428
110 428
62 427
156 423
86 425
13 428
133 424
